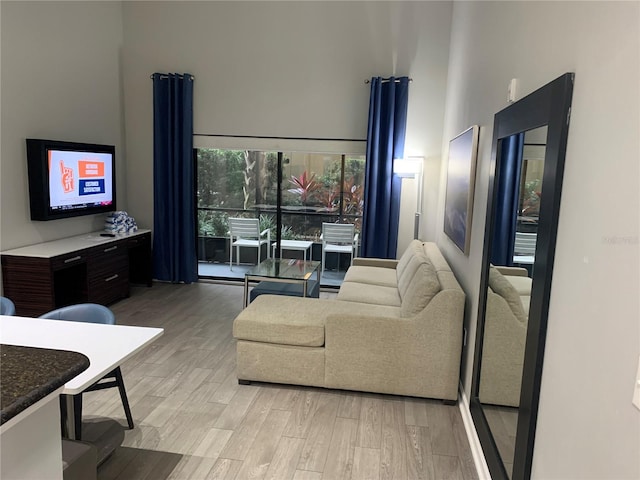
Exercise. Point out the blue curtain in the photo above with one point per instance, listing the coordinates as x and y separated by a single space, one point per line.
506 209
385 141
174 224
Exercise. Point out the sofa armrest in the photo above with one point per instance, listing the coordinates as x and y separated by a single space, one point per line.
375 262
418 356
502 354
513 271
440 320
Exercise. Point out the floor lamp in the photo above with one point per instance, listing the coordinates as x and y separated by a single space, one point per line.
412 167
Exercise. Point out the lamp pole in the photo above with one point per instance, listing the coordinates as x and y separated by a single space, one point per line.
405 168
419 180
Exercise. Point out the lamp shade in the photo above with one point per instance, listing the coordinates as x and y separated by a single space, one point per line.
407 167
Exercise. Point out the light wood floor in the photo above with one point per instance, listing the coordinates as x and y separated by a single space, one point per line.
503 422
193 420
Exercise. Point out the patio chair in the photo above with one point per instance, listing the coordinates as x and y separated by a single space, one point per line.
246 232
525 243
338 238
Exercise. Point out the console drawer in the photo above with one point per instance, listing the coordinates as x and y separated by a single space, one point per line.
69 260
108 274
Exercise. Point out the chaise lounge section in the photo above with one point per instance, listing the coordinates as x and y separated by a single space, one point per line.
396 327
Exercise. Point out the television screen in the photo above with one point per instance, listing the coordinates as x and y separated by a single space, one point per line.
69 179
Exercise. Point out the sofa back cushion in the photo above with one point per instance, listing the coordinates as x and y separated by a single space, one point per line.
503 287
431 250
424 285
409 253
408 264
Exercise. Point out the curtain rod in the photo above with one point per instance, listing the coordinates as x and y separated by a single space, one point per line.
387 80
164 75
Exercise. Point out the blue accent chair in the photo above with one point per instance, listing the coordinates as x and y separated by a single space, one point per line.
92 313
7 307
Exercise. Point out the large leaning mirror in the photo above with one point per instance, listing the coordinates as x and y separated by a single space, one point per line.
528 149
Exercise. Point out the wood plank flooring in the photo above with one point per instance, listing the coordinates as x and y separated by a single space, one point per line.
194 421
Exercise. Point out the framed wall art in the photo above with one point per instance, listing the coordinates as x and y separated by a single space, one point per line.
461 175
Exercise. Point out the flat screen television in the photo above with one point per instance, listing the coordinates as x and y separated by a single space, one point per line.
68 179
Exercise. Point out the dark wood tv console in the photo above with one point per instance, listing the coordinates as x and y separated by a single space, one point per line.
85 268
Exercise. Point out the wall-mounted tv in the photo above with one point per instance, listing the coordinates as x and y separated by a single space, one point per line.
68 179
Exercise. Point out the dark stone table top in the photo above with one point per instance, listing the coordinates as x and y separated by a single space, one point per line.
29 374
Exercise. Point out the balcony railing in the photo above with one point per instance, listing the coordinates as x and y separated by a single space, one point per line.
296 225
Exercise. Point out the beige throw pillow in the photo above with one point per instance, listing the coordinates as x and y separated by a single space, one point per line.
502 287
421 289
406 257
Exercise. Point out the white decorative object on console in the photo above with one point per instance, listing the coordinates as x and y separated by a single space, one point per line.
120 222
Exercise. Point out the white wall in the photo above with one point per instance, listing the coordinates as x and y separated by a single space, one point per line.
587 427
60 80
293 69
265 68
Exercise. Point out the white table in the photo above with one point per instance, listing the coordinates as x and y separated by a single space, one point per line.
106 346
300 245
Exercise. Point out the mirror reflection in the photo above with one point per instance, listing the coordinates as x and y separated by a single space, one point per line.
519 183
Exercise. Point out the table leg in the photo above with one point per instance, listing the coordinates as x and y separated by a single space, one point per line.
304 288
68 417
246 292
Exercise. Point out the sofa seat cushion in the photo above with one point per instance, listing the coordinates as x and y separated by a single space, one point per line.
372 275
283 320
372 294
297 321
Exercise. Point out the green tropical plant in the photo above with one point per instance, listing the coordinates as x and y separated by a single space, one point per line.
220 178
286 232
267 221
212 224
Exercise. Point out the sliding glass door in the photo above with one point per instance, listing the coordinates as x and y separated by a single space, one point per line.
315 188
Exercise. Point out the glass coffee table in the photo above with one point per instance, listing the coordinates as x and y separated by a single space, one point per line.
273 271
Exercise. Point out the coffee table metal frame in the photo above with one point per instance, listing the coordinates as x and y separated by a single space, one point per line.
283 271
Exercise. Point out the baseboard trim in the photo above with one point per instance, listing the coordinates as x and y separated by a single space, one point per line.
472 436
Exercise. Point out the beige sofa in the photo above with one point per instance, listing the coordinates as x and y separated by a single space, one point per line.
505 334
396 327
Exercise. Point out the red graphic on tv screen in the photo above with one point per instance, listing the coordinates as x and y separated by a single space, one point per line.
67 178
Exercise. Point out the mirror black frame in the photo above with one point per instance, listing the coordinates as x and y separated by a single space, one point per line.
551 106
